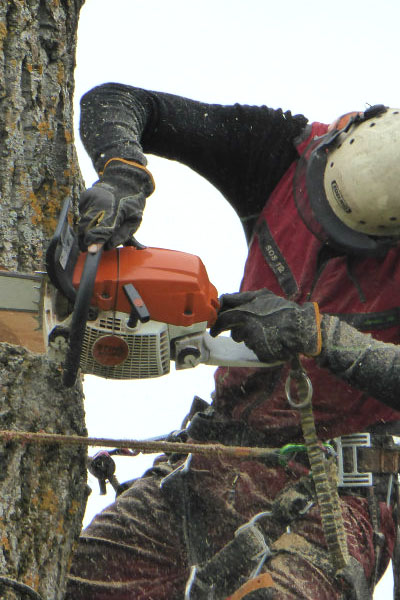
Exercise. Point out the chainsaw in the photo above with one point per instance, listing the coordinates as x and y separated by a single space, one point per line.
126 313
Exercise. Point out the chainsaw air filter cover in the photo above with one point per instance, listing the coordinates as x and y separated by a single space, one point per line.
113 350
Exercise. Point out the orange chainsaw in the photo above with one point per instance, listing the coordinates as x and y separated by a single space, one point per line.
126 313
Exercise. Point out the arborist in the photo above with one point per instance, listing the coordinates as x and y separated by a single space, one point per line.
320 208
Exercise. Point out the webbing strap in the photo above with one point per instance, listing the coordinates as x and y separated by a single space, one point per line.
257 583
323 471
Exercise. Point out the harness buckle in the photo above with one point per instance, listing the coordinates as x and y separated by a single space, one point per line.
347 456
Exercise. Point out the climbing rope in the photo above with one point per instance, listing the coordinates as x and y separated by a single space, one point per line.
144 446
323 470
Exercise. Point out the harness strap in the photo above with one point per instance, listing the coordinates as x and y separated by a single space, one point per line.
262 582
237 562
378 537
379 460
352 577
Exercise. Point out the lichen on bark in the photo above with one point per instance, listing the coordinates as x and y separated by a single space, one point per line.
38 164
42 488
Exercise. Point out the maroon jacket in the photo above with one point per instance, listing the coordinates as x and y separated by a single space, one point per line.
282 257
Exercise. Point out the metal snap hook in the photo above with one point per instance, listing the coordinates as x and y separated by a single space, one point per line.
307 399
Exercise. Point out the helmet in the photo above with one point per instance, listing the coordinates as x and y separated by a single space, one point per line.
347 185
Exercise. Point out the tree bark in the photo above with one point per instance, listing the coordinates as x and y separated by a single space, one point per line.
38 165
42 488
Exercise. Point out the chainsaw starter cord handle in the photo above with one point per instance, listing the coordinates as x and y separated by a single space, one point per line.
79 317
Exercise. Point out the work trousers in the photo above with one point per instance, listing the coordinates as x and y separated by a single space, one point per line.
142 546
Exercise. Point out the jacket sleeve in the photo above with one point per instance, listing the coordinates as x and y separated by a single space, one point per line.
363 362
241 150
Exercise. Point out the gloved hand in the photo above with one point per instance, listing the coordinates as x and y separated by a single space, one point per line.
111 210
273 327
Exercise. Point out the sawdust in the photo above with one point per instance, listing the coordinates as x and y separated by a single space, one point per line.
21 329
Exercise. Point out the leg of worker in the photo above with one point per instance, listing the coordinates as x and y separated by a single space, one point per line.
132 549
302 569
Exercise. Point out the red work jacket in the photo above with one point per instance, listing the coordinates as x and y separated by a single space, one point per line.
283 258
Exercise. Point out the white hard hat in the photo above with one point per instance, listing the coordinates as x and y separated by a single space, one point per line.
347 187
362 175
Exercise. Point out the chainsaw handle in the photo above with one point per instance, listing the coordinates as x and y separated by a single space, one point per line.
79 317
62 254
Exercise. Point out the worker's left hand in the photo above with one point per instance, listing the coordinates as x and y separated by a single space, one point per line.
111 210
273 327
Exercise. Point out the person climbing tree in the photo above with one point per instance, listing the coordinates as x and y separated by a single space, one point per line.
321 213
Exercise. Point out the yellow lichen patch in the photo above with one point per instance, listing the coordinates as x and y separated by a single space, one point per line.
61 73
73 171
37 216
68 136
49 501
60 526
65 190
46 206
5 544
32 580
54 197
45 129
75 506
3 34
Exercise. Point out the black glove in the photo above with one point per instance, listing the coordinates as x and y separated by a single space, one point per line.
273 327
111 210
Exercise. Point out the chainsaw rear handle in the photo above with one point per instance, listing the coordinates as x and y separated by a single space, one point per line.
79 317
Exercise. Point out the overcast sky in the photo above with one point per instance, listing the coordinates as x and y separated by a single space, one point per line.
314 57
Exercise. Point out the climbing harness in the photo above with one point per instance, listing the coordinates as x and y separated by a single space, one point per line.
243 557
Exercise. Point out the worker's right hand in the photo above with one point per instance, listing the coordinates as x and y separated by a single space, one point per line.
111 210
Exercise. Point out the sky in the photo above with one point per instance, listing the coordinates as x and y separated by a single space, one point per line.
315 57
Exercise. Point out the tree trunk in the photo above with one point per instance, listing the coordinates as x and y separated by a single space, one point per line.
42 488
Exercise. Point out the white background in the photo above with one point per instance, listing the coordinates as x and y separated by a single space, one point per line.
314 57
